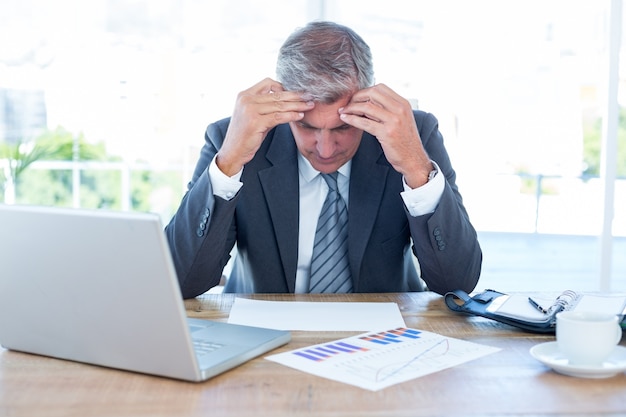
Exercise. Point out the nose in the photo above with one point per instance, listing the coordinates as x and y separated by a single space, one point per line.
325 144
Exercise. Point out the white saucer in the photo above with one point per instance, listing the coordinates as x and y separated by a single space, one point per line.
548 353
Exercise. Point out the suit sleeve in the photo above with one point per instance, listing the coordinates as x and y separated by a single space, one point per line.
445 242
202 231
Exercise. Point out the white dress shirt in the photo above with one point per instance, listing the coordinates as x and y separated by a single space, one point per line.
313 190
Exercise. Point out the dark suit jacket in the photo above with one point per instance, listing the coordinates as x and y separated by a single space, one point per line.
263 220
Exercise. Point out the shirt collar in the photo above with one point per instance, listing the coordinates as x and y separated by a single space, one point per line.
308 173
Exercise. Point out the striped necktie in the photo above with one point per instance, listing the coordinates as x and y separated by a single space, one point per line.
330 269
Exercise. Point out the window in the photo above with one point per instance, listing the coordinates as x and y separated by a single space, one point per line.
518 87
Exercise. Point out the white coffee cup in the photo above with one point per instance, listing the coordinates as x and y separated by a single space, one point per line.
587 338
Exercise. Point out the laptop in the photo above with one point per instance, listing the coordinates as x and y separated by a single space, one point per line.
100 287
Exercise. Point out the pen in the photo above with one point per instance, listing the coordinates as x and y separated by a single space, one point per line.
537 305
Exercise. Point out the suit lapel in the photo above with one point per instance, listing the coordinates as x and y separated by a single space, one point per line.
278 181
367 184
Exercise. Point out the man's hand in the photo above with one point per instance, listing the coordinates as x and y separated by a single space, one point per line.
381 112
257 110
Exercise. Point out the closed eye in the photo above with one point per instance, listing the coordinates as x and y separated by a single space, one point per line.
306 126
335 129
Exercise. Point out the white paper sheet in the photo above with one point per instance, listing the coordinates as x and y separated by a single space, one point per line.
375 361
316 316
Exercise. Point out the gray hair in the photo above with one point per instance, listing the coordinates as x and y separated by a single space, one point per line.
325 60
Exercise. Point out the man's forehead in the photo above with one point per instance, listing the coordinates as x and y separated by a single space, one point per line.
325 115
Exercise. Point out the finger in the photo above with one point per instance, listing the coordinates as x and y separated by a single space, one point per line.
286 117
380 95
365 109
286 96
373 127
273 90
270 102
285 106
280 111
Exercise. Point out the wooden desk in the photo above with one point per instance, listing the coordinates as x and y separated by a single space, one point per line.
507 382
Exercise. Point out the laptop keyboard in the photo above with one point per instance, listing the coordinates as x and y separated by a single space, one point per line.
202 347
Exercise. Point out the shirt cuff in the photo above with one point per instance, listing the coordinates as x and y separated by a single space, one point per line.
424 199
224 186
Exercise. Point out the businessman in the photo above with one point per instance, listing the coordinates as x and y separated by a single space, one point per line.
325 182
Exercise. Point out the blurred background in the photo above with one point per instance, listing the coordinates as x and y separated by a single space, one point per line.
103 104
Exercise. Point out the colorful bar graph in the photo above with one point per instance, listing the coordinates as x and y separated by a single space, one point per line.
392 336
323 352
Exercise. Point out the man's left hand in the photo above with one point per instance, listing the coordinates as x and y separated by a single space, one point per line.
384 114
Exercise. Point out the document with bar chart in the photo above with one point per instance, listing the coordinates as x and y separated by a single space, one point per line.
377 360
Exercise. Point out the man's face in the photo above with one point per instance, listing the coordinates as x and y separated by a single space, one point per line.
324 139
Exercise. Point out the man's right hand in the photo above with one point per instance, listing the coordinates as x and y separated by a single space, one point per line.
258 110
